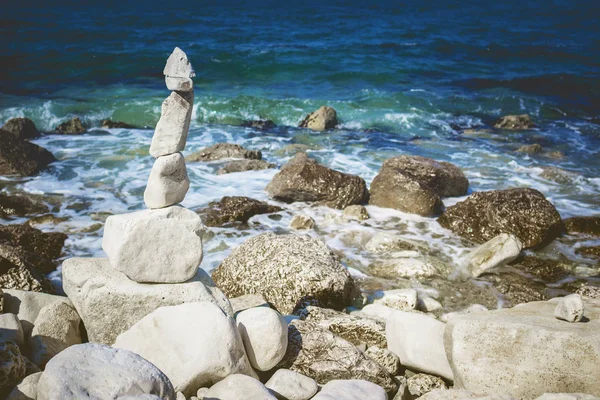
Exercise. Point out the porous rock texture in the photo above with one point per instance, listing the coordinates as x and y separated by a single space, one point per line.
224 150
234 209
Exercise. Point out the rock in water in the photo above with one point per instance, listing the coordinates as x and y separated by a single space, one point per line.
238 387
73 126
110 124
291 385
514 122
94 371
357 212
570 308
19 157
21 205
322 119
530 149
245 165
265 334
22 128
525 351
523 212
317 353
302 222
172 128
168 182
109 303
303 179
221 151
354 389
589 225
194 344
160 246
495 253
234 209
178 65
12 367
286 269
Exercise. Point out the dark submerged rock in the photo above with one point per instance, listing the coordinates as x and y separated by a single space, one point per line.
19 157
523 212
303 179
22 128
530 149
220 151
20 206
261 124
245 165
109 124
74 126
234 209
514 122
589 225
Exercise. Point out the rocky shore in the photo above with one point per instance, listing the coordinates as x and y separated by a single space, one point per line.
282 316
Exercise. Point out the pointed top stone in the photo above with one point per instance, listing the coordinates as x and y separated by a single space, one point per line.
178 65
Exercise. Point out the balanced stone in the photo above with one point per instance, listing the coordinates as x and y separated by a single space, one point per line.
172 128
178 65
161 246
168 182
179 84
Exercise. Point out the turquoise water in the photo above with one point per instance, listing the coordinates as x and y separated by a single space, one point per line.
405 78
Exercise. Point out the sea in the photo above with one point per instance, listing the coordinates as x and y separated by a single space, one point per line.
409 77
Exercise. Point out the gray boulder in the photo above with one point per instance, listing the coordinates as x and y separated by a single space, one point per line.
320 120
220 151
94 371
303 179
286 269
11 329
19 157
27 389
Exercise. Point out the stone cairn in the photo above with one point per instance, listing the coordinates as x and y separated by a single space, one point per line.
141 244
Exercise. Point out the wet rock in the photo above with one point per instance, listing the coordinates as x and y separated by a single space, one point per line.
385 358
22 128
548 270
302 222
407 264
320 120
486 358
12 367
238 386
386 241
168 182
514 122
290 385
530 149
303 179
517 289
11 329
46 219
109 303
19 157
245 165
20 205
523 212
357 212
293 149
589 225
589 251
261 124
286 269
398 299
355 329
110 124
319 354
559 175
171 132
46 245
570 308
420 384
234 209
74 126
96 371
194 344
22 279
27 389
497 252
220 151
354 389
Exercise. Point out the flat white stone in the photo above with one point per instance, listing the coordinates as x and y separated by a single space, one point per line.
292 385
171 132
570 308
11 329
354 389
399 299
238 387
168 182
179 84
178 65
161 246
495 253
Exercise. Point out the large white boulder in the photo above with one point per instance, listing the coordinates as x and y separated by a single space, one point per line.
55 329
168 182
11 329
178 65
525 351
497 252
265 335
109 303
292 385
162 246
172 128
238 387
94 371
27 305
419 342
354 389
194 344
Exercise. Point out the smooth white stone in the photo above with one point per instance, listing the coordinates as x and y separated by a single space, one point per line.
178 65
171 132
168 182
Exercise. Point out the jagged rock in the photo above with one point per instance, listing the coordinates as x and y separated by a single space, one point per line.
357 211
162 246
354 389
419 342
302 222
530 149
171 132
497 252
237 387
95 371
11 329
179 84
303 179
486 358
55 329
514 122
109 303
291 385
19 157
570 308
420 384
12 367
110 124
220 151
45 245
286 269
523 212
20 205
245 165
320 120
385 358
262 124
22 128
317 353
168 182
264 333
74 126
234 209
20 278
352 328
27 389
194 344
589 225
178 65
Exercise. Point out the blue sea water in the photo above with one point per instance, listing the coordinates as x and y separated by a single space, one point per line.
406 77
